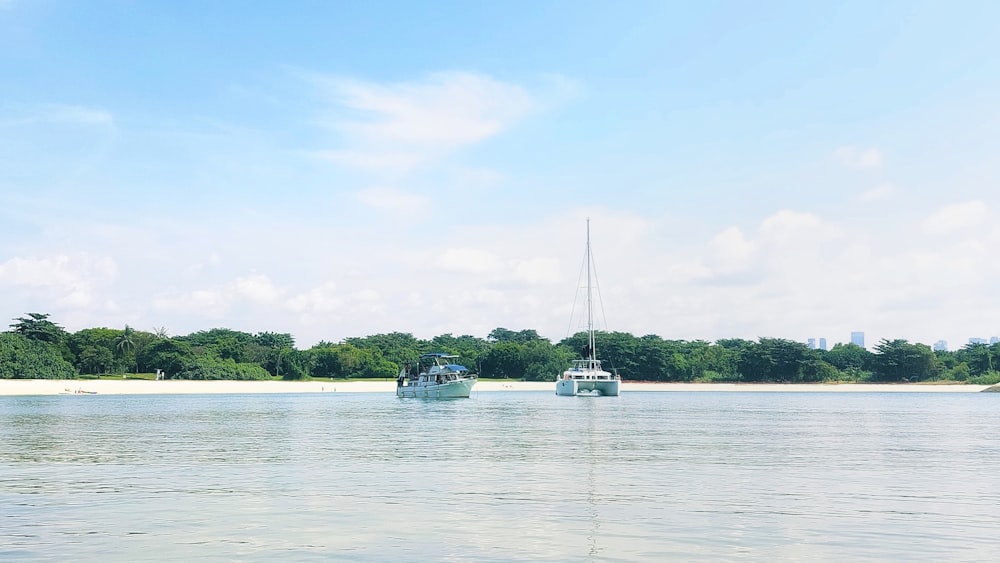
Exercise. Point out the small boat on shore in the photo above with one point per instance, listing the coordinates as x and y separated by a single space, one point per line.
436 377
67 391
586 376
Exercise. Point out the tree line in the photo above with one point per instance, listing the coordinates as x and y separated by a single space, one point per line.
38 348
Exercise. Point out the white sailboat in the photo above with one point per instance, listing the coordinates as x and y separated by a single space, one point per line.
440 379
586 376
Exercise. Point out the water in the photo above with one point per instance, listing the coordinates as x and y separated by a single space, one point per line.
502 476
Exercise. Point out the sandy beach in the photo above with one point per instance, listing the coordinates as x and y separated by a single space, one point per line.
185 387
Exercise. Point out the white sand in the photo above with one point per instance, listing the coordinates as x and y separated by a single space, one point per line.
175 387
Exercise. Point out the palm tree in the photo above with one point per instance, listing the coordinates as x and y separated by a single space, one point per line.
126 342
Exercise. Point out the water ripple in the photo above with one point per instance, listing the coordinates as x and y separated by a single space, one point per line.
500 477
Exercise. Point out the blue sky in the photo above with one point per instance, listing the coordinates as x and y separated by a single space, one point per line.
335 169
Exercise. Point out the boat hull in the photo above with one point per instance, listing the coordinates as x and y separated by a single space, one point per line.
574 387
449 390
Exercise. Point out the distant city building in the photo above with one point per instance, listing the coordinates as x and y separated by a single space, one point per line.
977 341
858 338
994 340
940 345
822 343
812 344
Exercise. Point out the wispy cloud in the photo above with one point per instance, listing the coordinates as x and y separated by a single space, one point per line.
68 280
730 251
78 114
392 200
471 260
403 123
955 217
448 108
881 192
788 226
858 157
60 114
254 289
321 299
372 161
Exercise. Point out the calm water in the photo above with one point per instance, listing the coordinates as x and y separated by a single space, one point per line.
500 477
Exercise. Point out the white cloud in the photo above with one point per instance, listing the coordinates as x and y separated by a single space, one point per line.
374 161
472 260
474 178
46 272
787 226
257 288
82 115
200 302
955 217
730 251
535 270
71 280
881 192
76 115
857 157
793 274
321 299
398 126
449 108
393 200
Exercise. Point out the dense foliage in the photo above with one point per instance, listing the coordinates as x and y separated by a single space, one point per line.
37 348
24 358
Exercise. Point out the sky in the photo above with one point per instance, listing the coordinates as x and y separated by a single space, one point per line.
342 169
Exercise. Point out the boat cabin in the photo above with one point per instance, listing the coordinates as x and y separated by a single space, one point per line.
588 370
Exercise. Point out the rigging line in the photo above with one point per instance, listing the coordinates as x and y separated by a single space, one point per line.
603 325
576 296
597 286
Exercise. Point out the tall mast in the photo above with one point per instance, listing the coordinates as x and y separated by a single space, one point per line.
590 302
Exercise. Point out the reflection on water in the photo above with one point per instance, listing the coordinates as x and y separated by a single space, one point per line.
500 477
593 456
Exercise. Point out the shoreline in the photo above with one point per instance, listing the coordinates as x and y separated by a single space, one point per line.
29 387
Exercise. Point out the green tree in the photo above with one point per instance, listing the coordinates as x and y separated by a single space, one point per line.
849 356
95 360
505 360
651 358
273 343
720 361
898 360
959 372
498 335
542 361
294 364
125 344
93 350
979 357
27 358
775 359
735 344
326 361
212 367
172 355
470 348
37 326
396 347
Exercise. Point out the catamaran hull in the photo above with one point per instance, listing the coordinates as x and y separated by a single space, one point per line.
574 387
450 390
